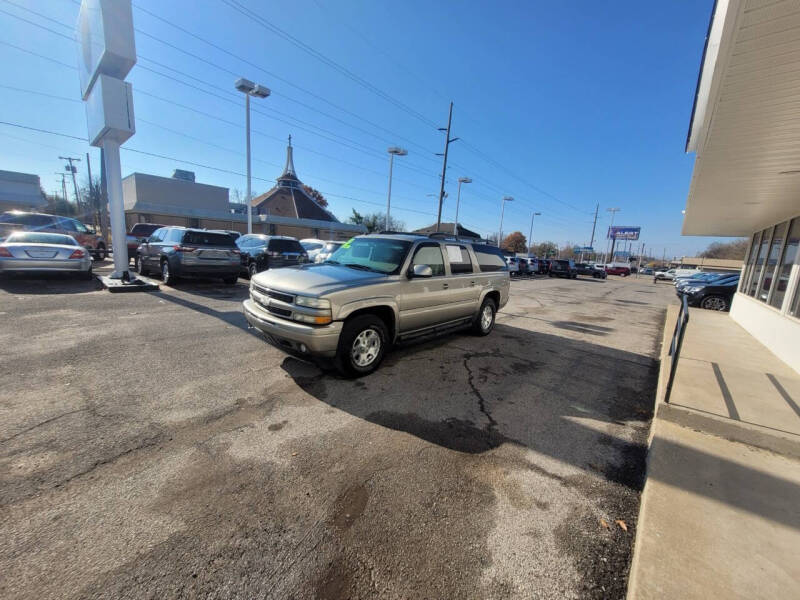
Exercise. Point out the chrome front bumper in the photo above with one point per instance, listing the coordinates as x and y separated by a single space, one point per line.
288 335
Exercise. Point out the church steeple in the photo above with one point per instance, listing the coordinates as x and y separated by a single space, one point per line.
289 177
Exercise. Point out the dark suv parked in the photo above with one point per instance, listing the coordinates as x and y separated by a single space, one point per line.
563 268
593 270
262 252
178 251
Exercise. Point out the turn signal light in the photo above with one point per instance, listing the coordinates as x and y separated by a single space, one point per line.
183 248
78 254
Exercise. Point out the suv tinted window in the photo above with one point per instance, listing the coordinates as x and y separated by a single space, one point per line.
489 258
431 255
208 238
144 229
27 219
460 261
158 235
281 245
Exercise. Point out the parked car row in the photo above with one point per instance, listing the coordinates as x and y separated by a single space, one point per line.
712 291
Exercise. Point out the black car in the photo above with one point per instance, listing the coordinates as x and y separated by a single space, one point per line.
563 268
261 252
592 270
715 295
180 252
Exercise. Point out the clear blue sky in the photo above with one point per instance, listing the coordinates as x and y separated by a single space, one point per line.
562 105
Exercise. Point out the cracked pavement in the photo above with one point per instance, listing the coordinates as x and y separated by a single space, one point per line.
151 446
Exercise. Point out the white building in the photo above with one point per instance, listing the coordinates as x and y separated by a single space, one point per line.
745 131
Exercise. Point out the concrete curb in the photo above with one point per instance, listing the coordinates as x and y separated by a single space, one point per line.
735 431
116 286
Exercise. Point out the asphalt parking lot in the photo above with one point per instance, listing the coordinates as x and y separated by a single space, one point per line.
151 446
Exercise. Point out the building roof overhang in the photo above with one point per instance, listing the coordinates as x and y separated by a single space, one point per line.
745 125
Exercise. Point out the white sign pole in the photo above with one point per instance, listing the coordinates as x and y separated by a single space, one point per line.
114 178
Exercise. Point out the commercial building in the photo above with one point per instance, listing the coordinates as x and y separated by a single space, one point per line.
707 264
746 182
286 209
20 191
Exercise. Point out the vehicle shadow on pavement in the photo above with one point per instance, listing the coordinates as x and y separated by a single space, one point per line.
515 386
230 317
48 283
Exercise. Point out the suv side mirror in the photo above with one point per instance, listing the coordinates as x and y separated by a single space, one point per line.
421 271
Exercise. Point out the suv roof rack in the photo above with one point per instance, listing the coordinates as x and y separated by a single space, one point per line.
389 232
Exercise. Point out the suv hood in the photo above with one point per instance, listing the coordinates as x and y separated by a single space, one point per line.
316 279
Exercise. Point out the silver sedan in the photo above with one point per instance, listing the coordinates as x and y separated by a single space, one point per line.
26 251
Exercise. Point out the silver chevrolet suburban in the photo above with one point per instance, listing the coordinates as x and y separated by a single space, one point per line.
375 290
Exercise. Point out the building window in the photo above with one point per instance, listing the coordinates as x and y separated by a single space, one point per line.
784 267
748 269
771 265
794 309
758 266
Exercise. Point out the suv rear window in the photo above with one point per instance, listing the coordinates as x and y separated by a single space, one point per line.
144 229
489 258
280 245
206 238
26 219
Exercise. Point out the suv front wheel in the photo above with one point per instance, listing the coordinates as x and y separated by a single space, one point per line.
484 322
362 345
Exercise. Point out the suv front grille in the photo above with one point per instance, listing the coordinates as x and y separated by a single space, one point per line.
281 312
283 297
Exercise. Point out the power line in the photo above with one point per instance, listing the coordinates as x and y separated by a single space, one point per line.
252 15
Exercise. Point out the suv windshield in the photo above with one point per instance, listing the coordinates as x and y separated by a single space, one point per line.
374 254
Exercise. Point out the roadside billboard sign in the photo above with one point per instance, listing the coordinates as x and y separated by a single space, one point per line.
623 232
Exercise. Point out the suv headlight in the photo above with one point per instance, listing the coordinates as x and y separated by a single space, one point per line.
310 302
693 289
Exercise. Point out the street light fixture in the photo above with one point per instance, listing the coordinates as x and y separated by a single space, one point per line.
248 88
530 235
393 151
458 200
502 213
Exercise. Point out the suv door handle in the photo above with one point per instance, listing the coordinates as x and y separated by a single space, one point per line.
472 283
445 285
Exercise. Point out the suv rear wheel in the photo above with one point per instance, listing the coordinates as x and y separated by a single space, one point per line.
166 275
362 345
484 322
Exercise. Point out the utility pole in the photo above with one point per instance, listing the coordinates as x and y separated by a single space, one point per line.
73 170
63 185
444 164
613 212
594 225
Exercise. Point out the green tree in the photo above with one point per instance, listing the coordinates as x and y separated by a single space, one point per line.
375 221
544 249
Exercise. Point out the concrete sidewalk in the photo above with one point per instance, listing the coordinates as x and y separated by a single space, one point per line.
720 513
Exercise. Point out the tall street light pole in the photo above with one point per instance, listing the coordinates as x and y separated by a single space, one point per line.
502 214
530 234
393 151
248 88
447 142
458 201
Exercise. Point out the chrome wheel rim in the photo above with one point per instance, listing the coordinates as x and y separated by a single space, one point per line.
253 270
486 317
714 303
366 348
165 271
